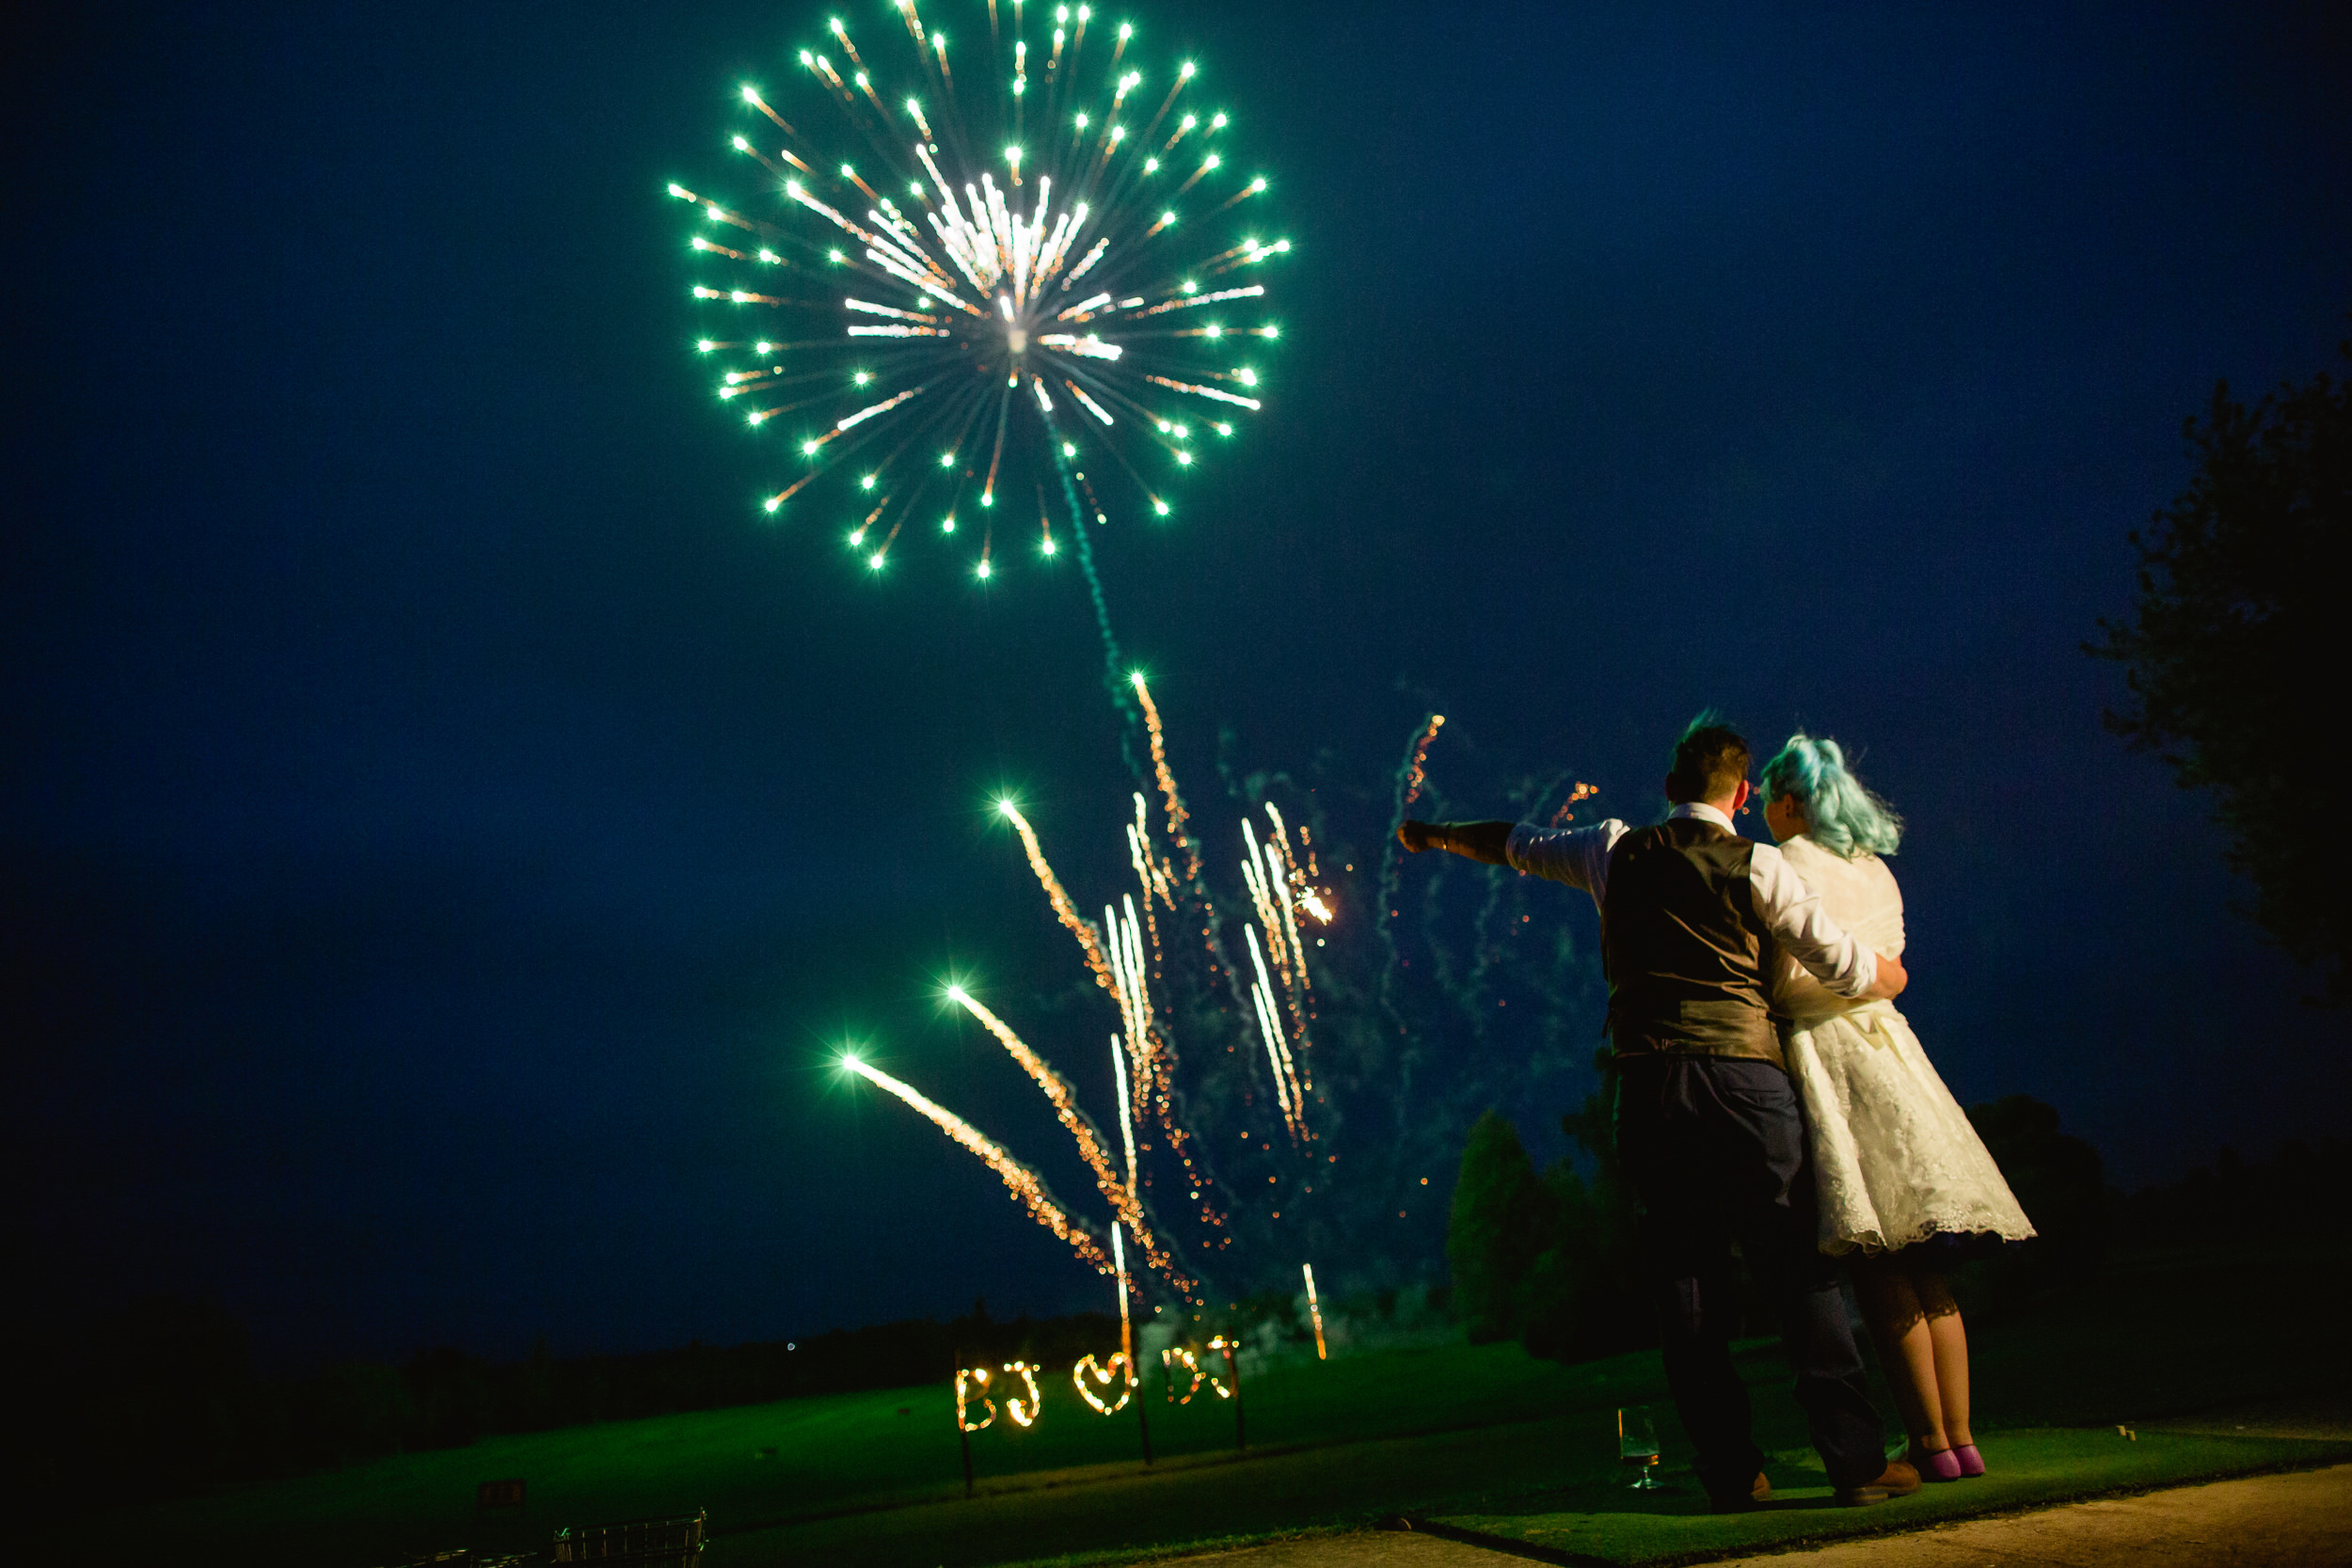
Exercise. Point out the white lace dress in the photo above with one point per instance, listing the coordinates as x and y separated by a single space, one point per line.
1895 1157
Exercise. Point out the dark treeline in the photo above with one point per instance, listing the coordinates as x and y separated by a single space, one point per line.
164 1391
1546 1256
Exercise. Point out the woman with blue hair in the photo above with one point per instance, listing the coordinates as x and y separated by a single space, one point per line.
1906 1186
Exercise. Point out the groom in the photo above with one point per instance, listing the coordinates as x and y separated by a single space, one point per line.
1709 1126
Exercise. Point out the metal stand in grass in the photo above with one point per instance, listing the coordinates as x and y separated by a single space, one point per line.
1143 1421
963 1440
964 1429
1232 1371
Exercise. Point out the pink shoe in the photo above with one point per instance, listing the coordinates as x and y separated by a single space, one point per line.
1971 1462
1943 1464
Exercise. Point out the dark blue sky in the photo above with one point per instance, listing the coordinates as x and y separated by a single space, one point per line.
445 826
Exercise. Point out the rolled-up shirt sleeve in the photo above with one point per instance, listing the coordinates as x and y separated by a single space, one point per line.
1577 855
1787 903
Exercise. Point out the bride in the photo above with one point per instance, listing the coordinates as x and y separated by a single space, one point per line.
1907 1187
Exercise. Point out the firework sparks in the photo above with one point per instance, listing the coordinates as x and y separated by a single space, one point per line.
1179 820
985 251
1268 878
1123 1199
1568 808
1126 1329
1027 1186
1276 1047
1126 1109
1064 911
1315 1309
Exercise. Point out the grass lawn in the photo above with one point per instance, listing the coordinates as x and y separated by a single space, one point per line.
1482 1439
1592 1515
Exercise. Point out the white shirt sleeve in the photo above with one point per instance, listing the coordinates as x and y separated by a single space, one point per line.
1787 903
1577 855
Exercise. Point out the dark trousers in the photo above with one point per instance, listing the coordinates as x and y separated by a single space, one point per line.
1715 1149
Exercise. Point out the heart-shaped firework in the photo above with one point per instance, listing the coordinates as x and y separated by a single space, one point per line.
1102 1376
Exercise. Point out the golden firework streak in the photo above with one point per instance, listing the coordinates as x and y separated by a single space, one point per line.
1178 817
1315 1309
1025 1184
1057 1091
1064 911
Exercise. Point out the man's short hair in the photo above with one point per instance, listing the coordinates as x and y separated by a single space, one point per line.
1710 760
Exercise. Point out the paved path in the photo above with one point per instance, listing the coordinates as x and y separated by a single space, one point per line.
2303 1520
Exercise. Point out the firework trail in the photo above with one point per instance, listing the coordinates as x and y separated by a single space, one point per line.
942 288
1064 911
1266 877
1152 1057
1025 1183
1126 1111
1180 833
1410 778
1415 769
1274 882
1123 1201
1179 820
1116 955
1568 808
1286 1090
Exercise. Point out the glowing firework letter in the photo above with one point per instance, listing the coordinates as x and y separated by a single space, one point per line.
1087 1376
966 226
969 1382
1170 1359
1024 1412
1189 1359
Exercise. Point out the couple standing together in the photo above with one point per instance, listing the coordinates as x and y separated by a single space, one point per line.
1769 1095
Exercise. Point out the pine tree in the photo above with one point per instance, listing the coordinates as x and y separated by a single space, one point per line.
1494 1233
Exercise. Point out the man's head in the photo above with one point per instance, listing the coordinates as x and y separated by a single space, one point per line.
1711 764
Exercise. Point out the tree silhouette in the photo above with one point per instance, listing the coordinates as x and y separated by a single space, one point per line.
2234 638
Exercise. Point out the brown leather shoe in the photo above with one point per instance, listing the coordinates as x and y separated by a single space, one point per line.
1758 1495
1898 1481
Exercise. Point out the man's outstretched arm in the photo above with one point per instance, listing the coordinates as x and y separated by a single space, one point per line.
1477 841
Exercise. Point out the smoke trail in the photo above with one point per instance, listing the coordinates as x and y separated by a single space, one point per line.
1078 520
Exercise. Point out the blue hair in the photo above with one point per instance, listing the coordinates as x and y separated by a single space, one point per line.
1846 819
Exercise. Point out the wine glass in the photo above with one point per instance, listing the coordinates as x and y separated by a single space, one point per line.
1637 1445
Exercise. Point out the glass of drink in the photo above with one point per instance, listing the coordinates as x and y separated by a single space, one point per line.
1637 1446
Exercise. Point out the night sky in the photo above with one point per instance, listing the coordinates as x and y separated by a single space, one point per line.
449 830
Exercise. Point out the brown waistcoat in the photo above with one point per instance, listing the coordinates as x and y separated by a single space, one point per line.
1688 961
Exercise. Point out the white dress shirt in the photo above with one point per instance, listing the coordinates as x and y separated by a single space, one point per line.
1791 909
